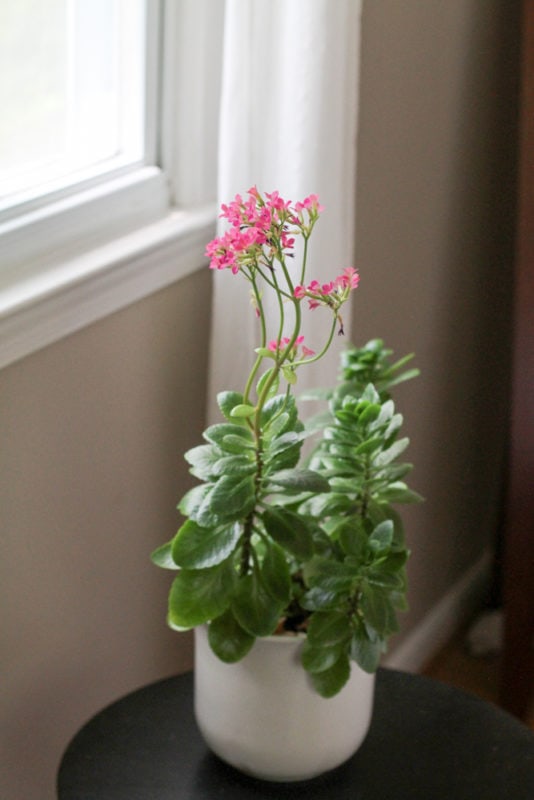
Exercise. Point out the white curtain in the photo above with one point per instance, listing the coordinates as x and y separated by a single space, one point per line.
288 123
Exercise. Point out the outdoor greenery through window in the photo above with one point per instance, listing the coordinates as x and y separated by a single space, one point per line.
72 93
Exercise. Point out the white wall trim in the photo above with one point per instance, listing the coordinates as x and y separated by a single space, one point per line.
442 621
82 290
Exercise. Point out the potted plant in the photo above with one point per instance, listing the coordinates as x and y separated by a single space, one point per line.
298 560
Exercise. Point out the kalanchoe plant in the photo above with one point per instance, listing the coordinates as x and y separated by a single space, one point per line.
269 544
372 364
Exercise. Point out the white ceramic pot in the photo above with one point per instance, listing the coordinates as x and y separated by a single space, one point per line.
262 715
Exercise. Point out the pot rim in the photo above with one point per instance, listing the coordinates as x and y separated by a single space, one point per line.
287 637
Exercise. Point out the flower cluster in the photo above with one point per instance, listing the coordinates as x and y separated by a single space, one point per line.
280 346
332 294
261 229
259 244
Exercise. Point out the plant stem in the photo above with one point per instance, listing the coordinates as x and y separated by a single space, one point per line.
318 356
257 362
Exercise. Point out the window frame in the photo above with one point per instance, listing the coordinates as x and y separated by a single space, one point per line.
89 253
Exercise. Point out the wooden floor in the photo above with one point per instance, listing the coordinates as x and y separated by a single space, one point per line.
477 674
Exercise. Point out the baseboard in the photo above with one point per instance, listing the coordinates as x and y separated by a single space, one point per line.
442 621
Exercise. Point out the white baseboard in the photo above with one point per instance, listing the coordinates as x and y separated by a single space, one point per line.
442 621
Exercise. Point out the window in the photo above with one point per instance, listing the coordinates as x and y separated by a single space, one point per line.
72 90
107 156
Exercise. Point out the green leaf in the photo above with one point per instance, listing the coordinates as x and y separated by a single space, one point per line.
368 446
330 681
369 414
275 426
321 598
288 459
260 386
275 573
378 610
393 472
203 459
299 480
406 376
204 515
327 505
227 401
344 485
242 410
264 352
193 499
398 492
256 611
234 465
382 537
366 652
387 414
162 557
317 659
194 547
216 434
199 595
227 638
233 497
284 442
399 600
237 444
289 374
400 363
340 572
394 426
352 537
394 561
289 530
389 455
385 579
329 628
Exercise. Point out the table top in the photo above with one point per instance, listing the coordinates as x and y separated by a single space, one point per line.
427 741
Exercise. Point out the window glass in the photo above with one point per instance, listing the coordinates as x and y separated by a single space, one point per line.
72 92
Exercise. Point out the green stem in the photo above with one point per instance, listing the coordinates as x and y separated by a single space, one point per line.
304 259
247 551
280 308
318 356
271 283
257 362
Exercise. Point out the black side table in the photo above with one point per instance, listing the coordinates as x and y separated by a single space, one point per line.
427 741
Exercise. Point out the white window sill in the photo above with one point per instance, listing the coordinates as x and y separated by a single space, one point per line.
40 310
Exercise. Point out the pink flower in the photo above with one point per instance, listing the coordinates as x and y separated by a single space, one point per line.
262 229
349 279
327 288
277 202
310 203
275 347
287 241
332 294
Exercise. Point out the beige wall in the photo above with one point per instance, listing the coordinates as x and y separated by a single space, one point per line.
434 247
93 428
